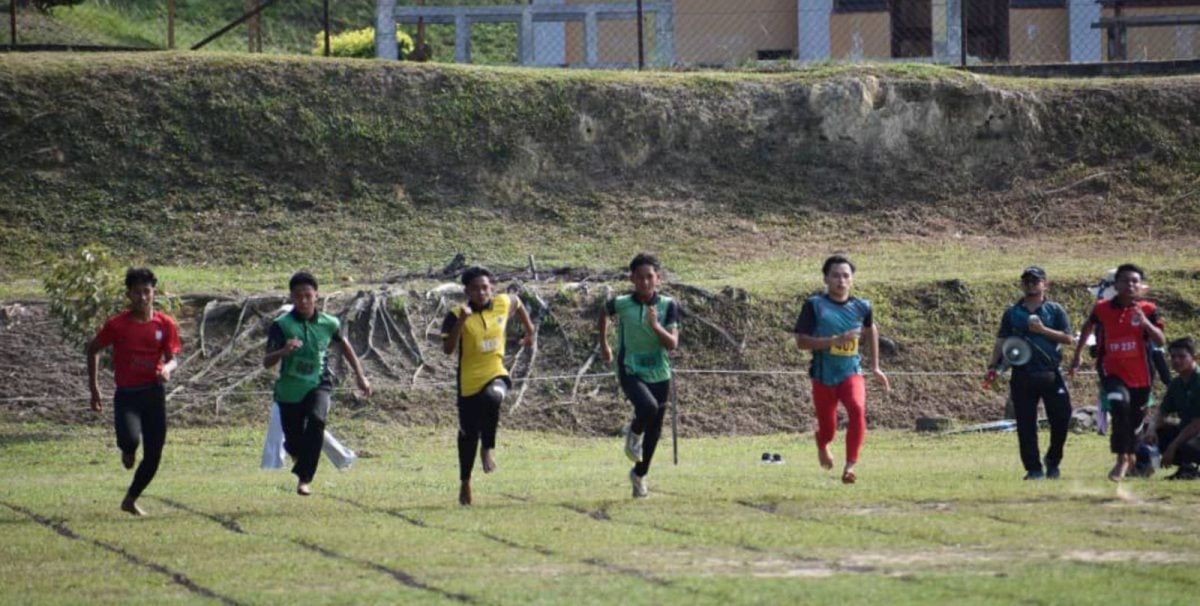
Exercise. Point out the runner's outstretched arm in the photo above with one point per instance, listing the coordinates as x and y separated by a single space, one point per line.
523 316
872 335
93 361
605 348
359 376
1084 333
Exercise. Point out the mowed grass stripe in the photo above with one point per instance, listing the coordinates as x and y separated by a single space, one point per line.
401 576
175 576
933 519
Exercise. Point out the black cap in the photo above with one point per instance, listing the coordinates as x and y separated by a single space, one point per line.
1035 271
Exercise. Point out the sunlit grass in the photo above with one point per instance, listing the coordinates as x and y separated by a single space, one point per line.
943 519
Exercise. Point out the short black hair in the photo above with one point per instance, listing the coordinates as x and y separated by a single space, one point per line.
1129 267
836 260
1185 343
470 273
645 259
302 278
137 276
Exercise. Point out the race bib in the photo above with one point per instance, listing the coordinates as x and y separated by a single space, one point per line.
305 368
646 361
488 345
1122 349
848 349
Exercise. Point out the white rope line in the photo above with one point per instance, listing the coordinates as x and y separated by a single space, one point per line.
596 375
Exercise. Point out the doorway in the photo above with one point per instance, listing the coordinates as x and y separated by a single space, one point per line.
912 33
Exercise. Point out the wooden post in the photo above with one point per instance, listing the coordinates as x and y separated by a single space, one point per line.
12 22
325 20
420 49
171 24
641 37
249 6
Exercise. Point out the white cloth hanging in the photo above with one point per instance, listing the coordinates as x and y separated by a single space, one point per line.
275 457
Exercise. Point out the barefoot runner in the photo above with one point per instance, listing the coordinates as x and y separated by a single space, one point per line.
144 343
477 329
831 325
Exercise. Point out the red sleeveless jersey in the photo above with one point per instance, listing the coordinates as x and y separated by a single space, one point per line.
1124 354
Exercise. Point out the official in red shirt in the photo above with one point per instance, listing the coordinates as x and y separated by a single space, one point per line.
144 344
1126 323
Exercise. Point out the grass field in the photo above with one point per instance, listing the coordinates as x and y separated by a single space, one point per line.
933 519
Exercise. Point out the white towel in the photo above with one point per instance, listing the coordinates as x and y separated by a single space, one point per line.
274 456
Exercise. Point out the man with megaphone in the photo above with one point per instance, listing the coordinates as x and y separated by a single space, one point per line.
1028 341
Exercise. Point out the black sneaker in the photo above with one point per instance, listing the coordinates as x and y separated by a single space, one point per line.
1052 472
1186 472
1035 475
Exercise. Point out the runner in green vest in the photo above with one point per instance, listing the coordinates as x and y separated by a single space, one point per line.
647 328
298 341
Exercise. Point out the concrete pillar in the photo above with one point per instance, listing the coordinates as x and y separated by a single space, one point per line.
953 51
664 34
462 39
385 30
525 40
591 39
813 29
549 40
1086 43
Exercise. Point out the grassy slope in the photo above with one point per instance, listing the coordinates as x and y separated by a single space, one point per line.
932 520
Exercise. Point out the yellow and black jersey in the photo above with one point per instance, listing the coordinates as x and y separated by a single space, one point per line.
481 346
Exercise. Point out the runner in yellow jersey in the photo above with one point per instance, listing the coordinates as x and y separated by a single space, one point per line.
477 330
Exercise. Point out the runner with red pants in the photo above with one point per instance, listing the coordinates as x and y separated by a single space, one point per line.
831 325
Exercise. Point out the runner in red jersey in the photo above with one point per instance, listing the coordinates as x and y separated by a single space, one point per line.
144 344
1126 324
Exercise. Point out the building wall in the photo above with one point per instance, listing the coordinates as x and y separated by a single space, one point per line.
1039 35
706 31
1157 43
860 35
616 43
719 31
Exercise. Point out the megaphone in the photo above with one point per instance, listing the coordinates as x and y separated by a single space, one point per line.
1017 351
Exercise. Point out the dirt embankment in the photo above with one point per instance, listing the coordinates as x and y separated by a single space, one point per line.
760 384
207 141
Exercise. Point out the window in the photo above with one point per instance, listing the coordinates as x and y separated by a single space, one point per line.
860 6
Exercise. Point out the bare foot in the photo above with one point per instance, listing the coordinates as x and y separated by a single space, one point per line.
128 459
1118 472
464 494
489 460
825 457
132 508
848 476
303 489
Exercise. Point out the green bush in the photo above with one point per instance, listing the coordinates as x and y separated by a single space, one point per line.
85 289
359 43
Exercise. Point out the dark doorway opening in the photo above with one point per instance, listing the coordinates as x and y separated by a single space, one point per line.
987 30
912 33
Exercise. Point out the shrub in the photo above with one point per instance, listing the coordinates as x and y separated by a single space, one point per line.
85 289
359 43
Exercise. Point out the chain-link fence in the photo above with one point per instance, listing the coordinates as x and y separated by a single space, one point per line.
269 26
672 33
603 33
